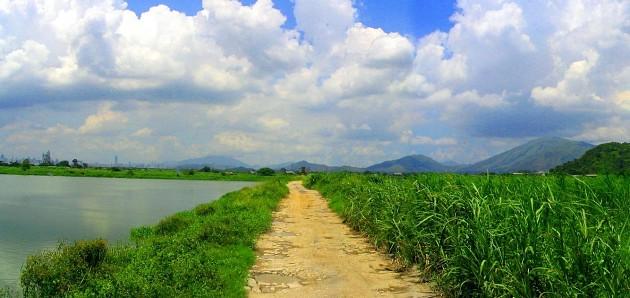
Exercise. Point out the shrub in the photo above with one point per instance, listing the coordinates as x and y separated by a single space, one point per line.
55 273
265 172
171 224
63 163
26 164
204 209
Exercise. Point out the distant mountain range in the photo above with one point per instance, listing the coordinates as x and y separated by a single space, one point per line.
213 161
609 158
409 164
538 155
297 166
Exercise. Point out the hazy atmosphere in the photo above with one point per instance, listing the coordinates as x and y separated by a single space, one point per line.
331 81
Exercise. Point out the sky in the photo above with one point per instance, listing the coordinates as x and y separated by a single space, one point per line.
330 81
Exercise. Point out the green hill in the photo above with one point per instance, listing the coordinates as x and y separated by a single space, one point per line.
409 164
609 158
538 155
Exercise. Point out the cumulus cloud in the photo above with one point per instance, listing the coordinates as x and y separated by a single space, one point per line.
231 79
105 120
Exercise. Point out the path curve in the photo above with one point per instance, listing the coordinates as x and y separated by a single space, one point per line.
309 252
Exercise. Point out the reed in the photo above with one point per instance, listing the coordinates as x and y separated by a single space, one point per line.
496 236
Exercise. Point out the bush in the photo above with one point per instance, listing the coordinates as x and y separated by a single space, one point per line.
171 224
204 209
55 273
265 172
26 164
63 163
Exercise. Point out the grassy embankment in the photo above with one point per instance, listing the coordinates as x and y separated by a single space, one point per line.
496 236
131 173
205 252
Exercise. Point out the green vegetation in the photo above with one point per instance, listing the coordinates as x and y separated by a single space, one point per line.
610 158
202 252
138 173
265 172
496 236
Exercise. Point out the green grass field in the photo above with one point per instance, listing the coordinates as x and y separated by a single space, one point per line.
131 173
496 236
204 252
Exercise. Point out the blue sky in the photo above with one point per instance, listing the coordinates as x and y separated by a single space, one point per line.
329 81
411 17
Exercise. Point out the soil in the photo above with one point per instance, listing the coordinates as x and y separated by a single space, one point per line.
310 252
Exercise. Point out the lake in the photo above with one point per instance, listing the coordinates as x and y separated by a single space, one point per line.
36 212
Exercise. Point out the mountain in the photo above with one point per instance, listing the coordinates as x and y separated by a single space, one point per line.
609 158
212 161
313 167
409 164
538 155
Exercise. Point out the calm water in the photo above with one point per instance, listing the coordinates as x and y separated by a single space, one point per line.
38 212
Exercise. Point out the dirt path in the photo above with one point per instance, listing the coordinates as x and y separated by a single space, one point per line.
310 253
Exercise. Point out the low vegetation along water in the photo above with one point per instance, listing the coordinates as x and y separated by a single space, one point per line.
206 251
496 236
37 212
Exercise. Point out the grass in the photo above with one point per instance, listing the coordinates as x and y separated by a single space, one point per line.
135 173
496 236
204 252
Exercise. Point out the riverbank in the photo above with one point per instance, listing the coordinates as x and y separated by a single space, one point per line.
206 251
133 173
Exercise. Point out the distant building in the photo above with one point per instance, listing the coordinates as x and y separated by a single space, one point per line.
2 158
46 159
115 160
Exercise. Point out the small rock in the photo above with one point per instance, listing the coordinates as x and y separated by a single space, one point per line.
252 283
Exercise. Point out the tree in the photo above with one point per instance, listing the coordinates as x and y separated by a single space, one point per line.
63 163
26 164
265 172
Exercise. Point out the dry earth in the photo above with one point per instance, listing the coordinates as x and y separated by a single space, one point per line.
309 252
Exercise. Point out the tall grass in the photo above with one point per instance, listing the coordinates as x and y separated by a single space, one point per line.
204 252
496 236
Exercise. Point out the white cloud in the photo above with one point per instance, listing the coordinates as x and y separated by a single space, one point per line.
105 120
273 123
143 132
408 137
231 79
324 22
573 89
616 129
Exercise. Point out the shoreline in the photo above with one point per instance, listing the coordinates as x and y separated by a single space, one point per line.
225 230
134 173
